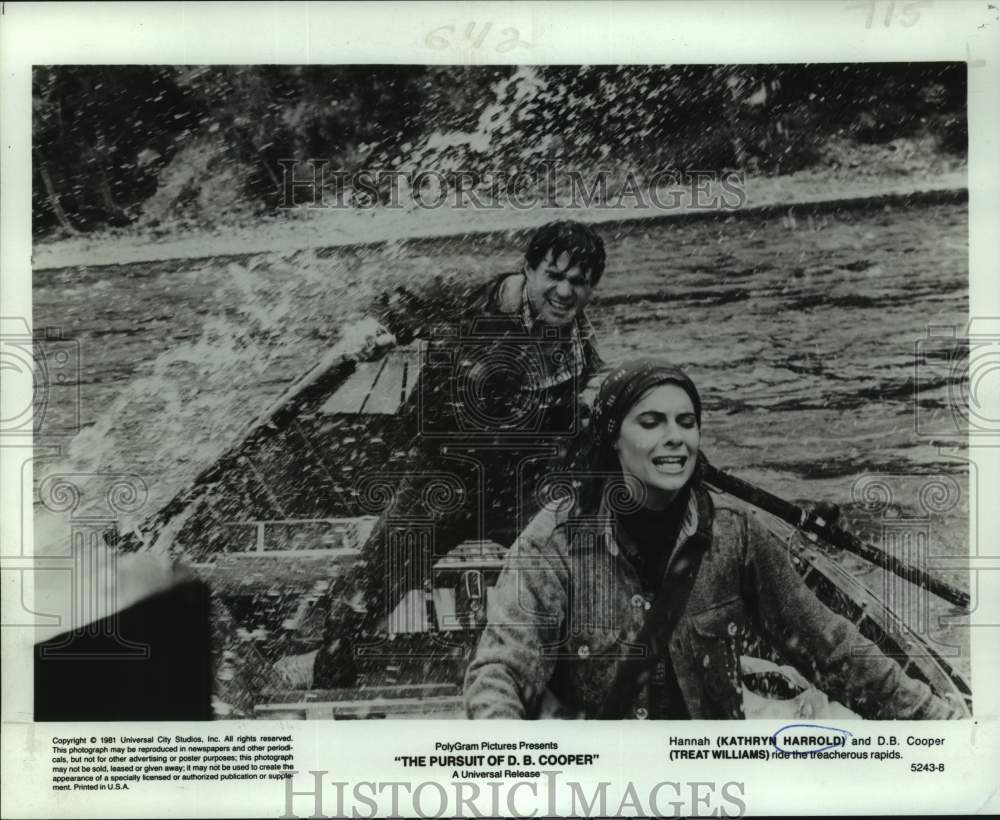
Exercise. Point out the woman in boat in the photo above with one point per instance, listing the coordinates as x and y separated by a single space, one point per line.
632 598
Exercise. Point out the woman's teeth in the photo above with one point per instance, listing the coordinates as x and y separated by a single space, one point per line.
670 464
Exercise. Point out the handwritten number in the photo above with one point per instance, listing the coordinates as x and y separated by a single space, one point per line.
440 38
470 29
910 12
437 41
871 11
512 43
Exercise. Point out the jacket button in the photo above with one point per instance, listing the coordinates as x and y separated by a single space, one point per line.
583 651
731 629
706 661
641 713
637 600
646 604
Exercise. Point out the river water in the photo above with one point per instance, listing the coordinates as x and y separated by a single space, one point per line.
800 329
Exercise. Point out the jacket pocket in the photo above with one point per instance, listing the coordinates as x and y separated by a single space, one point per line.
717 639
725 620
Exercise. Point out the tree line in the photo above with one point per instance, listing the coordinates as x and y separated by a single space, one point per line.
119 145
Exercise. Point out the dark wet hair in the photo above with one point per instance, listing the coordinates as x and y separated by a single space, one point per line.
621 390
581 242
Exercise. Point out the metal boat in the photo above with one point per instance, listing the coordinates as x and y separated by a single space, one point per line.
276 525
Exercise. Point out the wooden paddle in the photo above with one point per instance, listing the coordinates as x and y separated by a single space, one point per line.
815 528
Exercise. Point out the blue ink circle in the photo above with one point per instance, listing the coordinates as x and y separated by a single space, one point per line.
774 737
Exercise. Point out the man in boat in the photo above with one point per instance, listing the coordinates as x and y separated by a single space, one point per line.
497 407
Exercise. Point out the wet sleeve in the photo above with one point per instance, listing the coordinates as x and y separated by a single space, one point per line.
826 647
510 671
410 312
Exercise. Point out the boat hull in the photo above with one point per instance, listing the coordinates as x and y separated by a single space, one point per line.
275 527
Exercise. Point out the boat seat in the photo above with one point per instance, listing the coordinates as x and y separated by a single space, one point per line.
377 388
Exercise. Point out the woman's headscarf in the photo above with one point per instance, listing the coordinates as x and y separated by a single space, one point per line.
619 392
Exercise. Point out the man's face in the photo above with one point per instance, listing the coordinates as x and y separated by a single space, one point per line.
556 291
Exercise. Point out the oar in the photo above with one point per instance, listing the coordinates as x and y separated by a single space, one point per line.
815 527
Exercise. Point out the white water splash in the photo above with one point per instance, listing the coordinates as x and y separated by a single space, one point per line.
273 319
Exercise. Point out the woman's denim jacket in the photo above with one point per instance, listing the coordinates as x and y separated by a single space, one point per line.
569 606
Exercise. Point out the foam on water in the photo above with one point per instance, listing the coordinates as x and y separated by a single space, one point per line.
265 325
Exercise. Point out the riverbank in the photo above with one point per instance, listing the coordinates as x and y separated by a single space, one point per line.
334 227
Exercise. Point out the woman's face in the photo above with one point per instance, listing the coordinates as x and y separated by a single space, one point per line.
658 443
